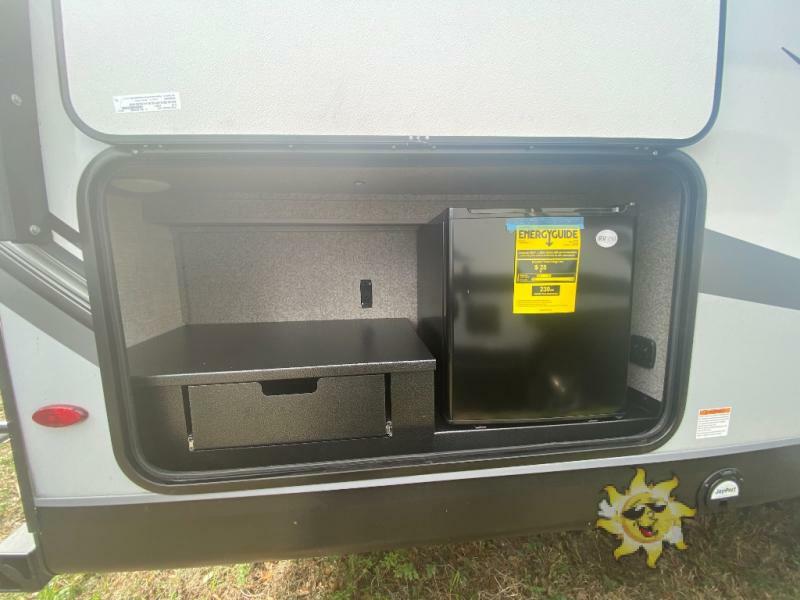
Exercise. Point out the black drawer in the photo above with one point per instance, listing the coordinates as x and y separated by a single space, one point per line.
287 411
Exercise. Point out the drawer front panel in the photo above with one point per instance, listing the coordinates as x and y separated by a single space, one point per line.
242 414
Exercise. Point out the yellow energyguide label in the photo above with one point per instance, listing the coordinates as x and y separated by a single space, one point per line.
546 265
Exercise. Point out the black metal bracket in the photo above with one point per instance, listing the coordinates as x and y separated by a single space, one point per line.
23 199
51 272
21 566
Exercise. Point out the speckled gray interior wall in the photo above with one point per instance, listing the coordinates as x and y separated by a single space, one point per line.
269 274
654 269
147 276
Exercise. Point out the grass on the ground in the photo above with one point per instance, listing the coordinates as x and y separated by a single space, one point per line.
751 553
10 508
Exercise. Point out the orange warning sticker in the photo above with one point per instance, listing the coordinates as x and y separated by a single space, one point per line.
713 422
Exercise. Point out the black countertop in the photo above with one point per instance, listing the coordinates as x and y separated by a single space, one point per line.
239 352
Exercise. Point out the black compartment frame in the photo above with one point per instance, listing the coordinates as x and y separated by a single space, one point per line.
454 457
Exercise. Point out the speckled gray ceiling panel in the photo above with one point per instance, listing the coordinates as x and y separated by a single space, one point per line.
336 208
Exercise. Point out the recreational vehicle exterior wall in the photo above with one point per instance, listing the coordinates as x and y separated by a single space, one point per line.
191 188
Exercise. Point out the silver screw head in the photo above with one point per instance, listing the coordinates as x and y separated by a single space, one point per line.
35 229
16 99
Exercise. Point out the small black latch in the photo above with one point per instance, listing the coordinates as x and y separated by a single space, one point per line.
643 351
366 293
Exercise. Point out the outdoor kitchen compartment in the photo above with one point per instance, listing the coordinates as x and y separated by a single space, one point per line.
277 315
506 355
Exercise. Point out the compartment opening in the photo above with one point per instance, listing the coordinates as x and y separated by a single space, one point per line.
253 271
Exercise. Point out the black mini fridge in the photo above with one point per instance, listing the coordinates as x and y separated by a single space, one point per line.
528 312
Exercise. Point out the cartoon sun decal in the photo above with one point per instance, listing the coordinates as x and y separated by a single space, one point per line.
645 516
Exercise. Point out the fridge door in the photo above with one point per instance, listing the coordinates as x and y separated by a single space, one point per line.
511 361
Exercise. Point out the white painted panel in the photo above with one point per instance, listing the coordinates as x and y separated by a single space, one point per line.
743 351
751 157
523 68
744 356
69 461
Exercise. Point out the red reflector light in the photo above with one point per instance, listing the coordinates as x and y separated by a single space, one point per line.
60 415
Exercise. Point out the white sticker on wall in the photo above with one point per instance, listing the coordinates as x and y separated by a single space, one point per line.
713 422
725 489
137 103
607 238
